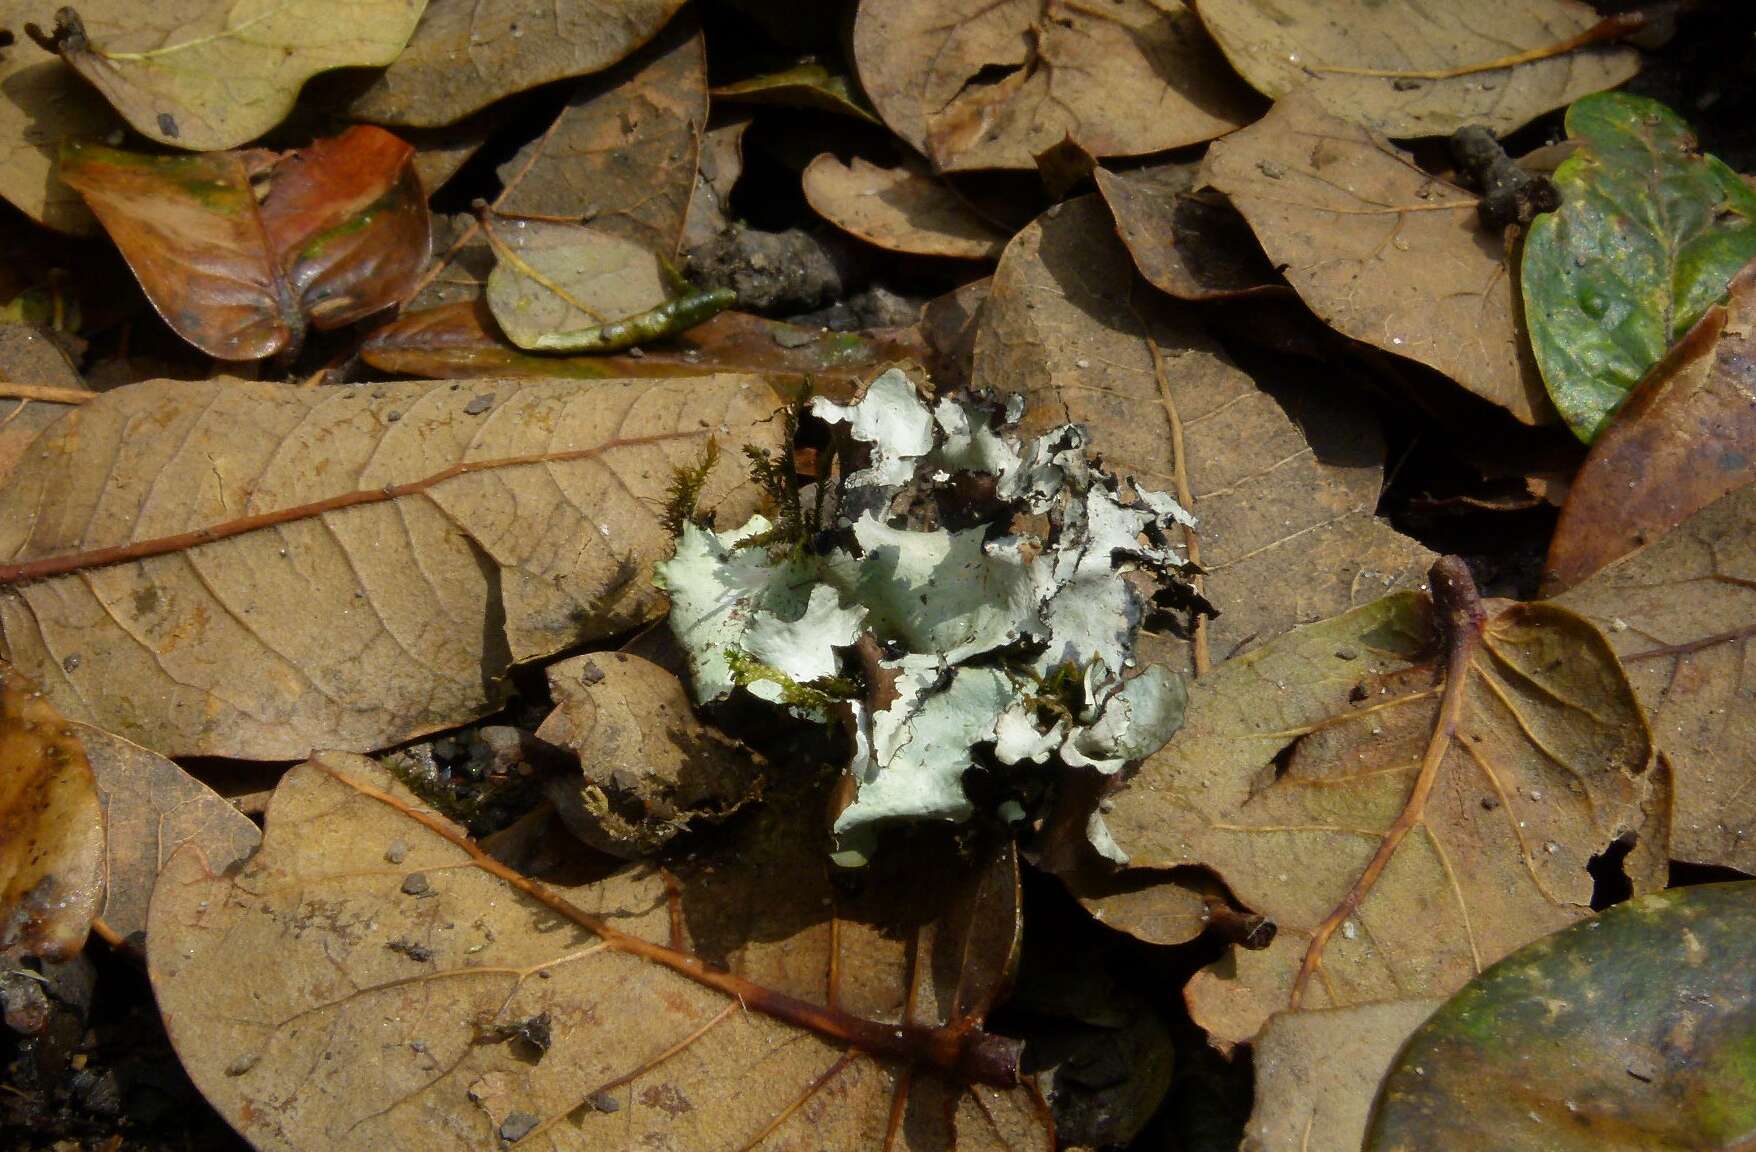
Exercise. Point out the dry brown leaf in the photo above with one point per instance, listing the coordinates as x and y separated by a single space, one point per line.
1686 437
214 74
1317 1072
240 569
648 769
551 277
51 827
1681 614
1380 250
1286 528
1123 79
28 356
441 152
621 156
42 103
1376 64
710 205
1408 791
1195 247
466 54
152 808
903 208
371 979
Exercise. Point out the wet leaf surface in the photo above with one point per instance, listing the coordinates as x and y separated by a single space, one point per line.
1194 247
277 569
511 46
51 827
1681 613
1686 437
151 809
621 156
1385 65
648 769
1283 500
340 233
214 74
698 1007
1317 1073
1408 798
461 341
1379 249
1628 1033
1648 235
902 208
975 84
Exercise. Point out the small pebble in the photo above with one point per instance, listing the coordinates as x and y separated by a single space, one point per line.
397 852
478 405
517 1126
415 884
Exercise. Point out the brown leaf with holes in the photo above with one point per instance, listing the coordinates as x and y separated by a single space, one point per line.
1317 1073
1194 246
648 769
151 809
1681 614
371 978
976 84
1283 487
509 46
461 341
1380 250
51 827
621 156
1684 438
238 251
1408 69
1408 791
253 570
902 208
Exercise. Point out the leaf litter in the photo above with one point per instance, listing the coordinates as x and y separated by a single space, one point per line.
1168 472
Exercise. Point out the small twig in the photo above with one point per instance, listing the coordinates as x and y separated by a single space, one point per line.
45 393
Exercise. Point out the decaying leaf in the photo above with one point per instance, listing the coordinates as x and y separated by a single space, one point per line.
903 208
1686 437
1284 510
1648 235
151 808
571 288
721 163
714 1005
975 84
51 827
1379 249
650 768
1317 1072
42 103
621 156
1408 791
1407 69
341 233
214 74
509 46
462 341
1628 1033
1195 247
275 569
807 85
1681 614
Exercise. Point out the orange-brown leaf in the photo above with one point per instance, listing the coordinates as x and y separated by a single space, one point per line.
51 827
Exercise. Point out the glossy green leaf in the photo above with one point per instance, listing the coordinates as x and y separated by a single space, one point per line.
1649 233
1631 1032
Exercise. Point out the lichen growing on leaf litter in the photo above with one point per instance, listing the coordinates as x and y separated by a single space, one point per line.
1005 643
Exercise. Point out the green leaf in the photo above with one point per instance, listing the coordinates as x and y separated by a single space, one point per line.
1631 1032
1649 233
